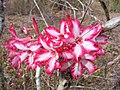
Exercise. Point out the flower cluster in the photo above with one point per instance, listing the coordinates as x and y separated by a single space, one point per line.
69 47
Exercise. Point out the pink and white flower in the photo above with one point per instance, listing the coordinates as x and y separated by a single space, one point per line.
86 47
48 57
27 53
78 47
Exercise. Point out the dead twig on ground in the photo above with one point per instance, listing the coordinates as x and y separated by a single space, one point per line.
83 87
48 83
114 61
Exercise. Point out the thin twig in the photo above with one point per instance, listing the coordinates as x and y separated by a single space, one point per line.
94 76
83 7
90 2
96 19
82 4
53 5
72 8
62 5
40 13
47 83
30 13
83 87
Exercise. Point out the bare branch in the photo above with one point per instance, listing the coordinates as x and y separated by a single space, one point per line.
40 12
72 8
105 9
95 18
62 5
30 13
112 23
90 2
83 7
48 83
82 4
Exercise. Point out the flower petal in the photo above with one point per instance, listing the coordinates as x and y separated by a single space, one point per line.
77 28
77 70
90 57
63 27
11 41
13 32
51 66
65 64
67 55
89 46
30 61
26 30
99 28
101 52
35 25
89 65
24 40
12 53
55 43
15 61
20 45
89 32
44 43
78 51
23 56
52 31
11 47
102 39
34 47
42 57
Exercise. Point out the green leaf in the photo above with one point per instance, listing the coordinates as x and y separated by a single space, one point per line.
41 28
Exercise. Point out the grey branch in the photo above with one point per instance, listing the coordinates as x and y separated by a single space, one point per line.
103 5
114 22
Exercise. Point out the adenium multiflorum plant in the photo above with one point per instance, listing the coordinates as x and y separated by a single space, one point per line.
69 47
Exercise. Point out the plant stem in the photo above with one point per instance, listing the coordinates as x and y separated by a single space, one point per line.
37 77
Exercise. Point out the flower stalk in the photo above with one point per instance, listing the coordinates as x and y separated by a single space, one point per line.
37 78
